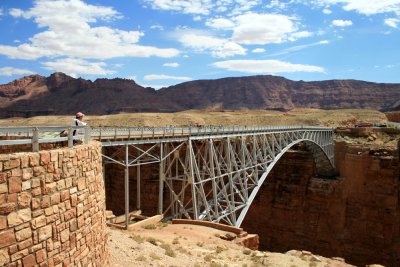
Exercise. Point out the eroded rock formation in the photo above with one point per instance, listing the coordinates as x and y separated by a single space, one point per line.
62 94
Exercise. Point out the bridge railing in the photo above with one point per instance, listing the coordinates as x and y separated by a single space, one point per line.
153 132
10 136
51 134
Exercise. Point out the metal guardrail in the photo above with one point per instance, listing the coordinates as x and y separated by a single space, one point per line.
41 135
155 132
51 134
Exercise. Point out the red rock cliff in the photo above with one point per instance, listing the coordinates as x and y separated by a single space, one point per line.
356 216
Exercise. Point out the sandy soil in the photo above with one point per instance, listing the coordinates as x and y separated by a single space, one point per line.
191 245
331 118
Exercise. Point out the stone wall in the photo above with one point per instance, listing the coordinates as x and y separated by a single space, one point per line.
52 206
356 216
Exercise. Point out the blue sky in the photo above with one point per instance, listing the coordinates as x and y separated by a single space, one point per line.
164 42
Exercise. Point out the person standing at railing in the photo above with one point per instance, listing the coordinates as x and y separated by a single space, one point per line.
78 121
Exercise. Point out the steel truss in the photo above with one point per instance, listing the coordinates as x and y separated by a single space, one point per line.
216 177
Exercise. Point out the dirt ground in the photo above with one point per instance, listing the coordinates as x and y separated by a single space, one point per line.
192 245
311 117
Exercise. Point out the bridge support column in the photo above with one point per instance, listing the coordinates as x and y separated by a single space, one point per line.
161 182
192 180
138 185
126 185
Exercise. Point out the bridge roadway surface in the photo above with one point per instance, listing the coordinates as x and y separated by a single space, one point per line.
209 173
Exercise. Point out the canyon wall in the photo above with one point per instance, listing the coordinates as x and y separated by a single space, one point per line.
52 208
393 116
356 216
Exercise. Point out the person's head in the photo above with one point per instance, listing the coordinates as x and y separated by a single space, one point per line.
79 116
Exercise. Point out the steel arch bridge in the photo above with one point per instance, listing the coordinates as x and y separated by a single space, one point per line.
211 173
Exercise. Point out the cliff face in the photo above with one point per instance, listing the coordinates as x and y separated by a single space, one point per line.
62 94
355 216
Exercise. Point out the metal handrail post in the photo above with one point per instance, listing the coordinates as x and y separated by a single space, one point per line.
35 140
87 135
70 137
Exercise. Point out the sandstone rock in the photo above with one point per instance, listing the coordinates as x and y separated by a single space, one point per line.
45 232
26 185
14 185
38 222
18 217
338 259
3 222
23 234
3 188
226 93
228 236
296 253
29 261
7 238
315 258
306 253
11 164
25 244
27 174
4 258
41 255
64 236
24 200
6 208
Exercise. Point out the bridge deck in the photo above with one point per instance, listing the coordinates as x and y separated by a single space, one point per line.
115 136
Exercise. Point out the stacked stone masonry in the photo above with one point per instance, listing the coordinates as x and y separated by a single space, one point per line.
52 208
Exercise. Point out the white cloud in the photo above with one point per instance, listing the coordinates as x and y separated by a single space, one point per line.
276 4
219 47
265 66
10 71
185 6
172 64
258 50
200 8
253 28
342 23
220 23
366 7
157 27
299 47
15 12
297 35
74 67
68 33
152 77
1 12
242 6
327 11
392 22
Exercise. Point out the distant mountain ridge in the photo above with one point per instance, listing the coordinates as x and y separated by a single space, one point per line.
60 94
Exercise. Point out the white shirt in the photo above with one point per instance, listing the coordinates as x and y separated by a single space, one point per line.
76 122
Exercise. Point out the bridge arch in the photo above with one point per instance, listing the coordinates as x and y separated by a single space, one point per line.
323 166
210 174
